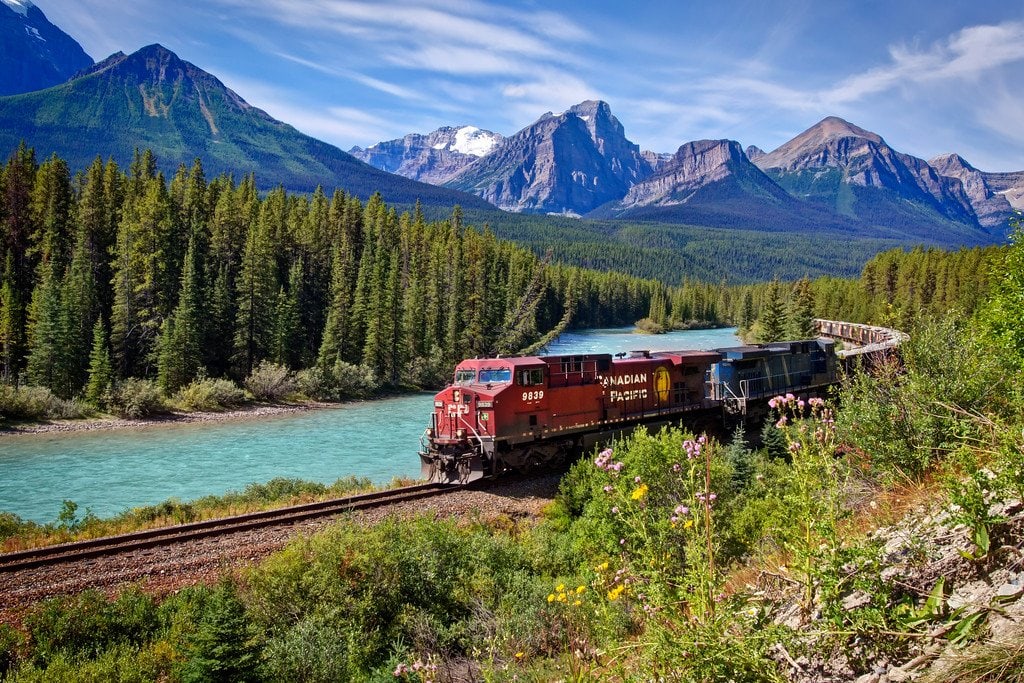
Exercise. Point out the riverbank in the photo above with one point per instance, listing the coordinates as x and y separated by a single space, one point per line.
110 422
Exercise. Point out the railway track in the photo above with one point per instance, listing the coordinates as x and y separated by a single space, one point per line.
152 538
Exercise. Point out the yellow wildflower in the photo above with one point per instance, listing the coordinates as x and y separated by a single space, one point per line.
551 597
580 588
639 492
601 567
688 524
577 603
562 597
614 593
560 587
520 655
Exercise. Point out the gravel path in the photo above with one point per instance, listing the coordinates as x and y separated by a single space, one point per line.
163 570
108 423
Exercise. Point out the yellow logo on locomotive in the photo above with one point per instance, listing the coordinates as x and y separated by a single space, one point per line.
662 383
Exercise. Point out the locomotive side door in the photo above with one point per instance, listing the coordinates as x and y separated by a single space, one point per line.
532 399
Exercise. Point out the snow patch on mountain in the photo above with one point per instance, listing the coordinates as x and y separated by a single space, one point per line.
20 6
473 141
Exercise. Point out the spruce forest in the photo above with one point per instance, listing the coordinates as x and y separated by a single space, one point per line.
172 281
120 289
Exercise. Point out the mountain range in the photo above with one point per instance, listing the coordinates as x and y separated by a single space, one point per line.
34 53
834 177
153 99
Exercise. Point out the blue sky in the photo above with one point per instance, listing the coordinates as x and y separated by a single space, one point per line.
929 76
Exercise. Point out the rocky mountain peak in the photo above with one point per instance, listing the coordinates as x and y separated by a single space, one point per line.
34 54
832 127
436 157
830 142
755 152
697 165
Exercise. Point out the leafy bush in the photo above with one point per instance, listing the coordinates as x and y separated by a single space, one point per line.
38 403
270 382
649 326
88 624
429 372
209 394
135 398
354 380
908 415
11 643
344 380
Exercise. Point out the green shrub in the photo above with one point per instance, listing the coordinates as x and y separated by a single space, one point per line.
135 398
270 382
649 326
87 624
908 416
429 372
344 380
354 381
209 394
119 664
11 643
313 650
38 403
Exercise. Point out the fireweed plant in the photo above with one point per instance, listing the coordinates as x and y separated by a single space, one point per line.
814 498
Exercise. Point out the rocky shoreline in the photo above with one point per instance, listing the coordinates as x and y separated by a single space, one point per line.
174 417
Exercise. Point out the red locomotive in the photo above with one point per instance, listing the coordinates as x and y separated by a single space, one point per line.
520 413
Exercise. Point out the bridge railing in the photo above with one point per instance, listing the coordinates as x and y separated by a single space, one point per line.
866 339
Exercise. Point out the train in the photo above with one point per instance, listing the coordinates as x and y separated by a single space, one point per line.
523 413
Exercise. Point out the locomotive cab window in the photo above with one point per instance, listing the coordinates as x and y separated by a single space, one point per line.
531 377
495 376
465 376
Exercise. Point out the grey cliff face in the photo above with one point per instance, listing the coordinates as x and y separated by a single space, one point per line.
568 163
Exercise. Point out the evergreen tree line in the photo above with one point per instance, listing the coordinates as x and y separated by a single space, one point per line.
109 275
896 288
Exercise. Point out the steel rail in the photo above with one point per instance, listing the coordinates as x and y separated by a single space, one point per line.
180 533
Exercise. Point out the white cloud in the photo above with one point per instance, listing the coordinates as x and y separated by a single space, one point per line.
368 81
965 55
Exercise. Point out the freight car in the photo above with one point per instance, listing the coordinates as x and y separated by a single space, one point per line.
504 414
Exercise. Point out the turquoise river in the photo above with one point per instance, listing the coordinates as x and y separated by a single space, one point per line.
109 471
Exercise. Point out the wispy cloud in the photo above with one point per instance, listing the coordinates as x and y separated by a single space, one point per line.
972 60
368 81
966 55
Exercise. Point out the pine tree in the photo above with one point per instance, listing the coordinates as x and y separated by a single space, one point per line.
46 340
100 372
80 308
773 314
287 343
52 202
184 331
11 315
746 316
800 321
257 296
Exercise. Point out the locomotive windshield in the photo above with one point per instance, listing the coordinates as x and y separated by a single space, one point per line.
495 376
465 376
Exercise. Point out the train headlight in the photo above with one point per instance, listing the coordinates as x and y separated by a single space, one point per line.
430 433
460 434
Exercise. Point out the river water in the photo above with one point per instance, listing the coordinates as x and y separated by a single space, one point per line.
111 471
